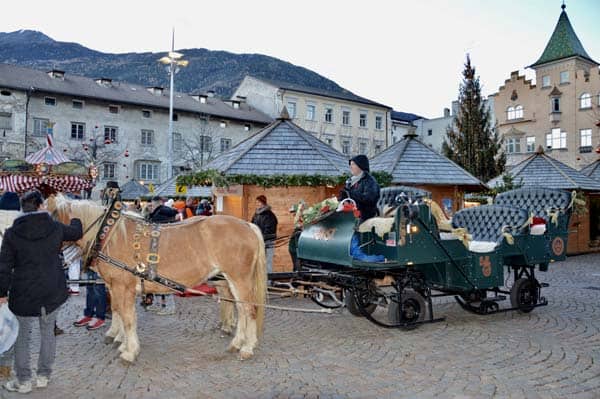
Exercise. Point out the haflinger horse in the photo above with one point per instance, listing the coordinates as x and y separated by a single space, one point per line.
189 253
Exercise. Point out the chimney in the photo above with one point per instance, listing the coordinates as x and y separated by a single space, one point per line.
201 98
211 93
106 82
241 99
446 112
156 90
57 74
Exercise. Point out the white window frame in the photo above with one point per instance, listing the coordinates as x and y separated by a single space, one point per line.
109 170
585 101
225 144
346 146
50 101
205 142
363 120
363 147
292 108
519 112
378 122
585 137
40 127
80 102
513 145
78 131
564 77
6 117
147 137
346 117
328 114
555 104
311 111
148 170
546 82
113 133
530 144
510 113
556 139
177 142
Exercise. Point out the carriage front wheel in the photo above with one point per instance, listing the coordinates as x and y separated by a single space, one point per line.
524 294
413 309
365 299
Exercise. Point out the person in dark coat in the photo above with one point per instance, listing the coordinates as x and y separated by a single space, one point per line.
161 213
266 221
31 275
362 188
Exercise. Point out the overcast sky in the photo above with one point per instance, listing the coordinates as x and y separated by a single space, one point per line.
406 54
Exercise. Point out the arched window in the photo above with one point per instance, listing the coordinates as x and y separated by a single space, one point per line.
519 111
585 100
510 113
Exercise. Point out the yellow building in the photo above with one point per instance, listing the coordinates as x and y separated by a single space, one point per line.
561 112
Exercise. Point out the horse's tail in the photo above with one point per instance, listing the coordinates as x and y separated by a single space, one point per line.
259 275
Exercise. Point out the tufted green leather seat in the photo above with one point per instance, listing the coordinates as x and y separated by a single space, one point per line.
387 196
485 223
538 200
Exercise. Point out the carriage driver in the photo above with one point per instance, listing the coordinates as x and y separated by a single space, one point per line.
362 188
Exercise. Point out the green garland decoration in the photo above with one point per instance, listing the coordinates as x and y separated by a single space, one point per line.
213 177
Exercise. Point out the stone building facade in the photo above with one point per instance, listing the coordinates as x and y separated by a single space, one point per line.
561 111
125 125
349 123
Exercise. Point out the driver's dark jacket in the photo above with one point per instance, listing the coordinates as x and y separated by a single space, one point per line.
30 266
365 193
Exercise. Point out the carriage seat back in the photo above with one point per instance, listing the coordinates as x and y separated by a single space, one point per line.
387 197
538 200
485 223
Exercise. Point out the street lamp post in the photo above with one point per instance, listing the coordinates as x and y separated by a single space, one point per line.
173 61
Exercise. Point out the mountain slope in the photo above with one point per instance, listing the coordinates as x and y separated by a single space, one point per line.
220 71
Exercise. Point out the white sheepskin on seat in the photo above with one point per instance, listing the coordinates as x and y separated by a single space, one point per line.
382 226
482 246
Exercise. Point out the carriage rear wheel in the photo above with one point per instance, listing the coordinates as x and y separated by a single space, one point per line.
524 294
365 298
413 309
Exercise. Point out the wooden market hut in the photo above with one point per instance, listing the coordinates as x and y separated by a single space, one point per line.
413 163
134 189
541 170
593 170
280 149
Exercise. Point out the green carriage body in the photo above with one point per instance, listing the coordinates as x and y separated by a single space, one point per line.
446 264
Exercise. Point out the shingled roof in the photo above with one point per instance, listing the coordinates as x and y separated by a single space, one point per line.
20 78
281 148
411 162
563 43
132 190
592 170
541 170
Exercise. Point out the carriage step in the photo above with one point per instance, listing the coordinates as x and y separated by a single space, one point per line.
497 298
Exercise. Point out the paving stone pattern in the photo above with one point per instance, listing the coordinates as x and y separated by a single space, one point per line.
553 352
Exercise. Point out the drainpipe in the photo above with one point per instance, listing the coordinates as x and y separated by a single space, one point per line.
28 93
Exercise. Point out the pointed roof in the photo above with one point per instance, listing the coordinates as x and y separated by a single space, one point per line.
48 155
563 43
592 170
412 162
281 148
541 170
133 189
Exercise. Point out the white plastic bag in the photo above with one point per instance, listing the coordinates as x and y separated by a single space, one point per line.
9 328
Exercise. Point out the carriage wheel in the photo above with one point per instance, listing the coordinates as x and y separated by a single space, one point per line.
365 299
413 310
524 294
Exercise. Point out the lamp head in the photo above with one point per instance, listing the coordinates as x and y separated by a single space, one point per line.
175 55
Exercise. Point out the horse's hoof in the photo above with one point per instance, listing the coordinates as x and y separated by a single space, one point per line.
232 348
109 340
127 358
245 355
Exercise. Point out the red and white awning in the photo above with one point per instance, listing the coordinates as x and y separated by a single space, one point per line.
48 155
20 184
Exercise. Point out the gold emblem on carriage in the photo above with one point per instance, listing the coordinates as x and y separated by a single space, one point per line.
115 214
486 265
155 233
153 258
110 221
324 234
558 246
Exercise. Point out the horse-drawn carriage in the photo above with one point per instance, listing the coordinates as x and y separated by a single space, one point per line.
522 232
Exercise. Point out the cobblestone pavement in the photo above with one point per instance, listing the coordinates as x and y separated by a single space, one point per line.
553 352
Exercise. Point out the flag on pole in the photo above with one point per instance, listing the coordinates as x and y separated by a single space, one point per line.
50 133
